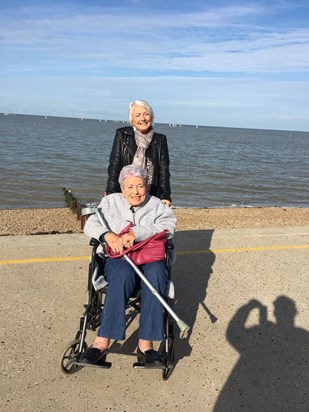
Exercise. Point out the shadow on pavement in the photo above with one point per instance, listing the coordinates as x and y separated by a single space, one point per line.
272 373
190 275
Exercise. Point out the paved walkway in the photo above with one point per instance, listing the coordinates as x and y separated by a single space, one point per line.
243 292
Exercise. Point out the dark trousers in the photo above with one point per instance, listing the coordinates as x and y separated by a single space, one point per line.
122 283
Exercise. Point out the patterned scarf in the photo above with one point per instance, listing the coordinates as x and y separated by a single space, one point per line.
142 141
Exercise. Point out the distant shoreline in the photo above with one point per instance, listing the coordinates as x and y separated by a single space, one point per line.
15 222
125 121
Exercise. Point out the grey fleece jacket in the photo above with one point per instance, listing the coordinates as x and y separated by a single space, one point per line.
150 218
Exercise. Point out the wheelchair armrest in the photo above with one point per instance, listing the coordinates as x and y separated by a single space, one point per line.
94 242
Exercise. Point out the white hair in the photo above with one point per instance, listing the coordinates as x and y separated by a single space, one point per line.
142 103
132 170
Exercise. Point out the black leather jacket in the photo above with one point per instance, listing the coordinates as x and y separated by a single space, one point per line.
123 150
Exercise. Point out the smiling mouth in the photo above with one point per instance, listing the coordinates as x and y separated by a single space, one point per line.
136 199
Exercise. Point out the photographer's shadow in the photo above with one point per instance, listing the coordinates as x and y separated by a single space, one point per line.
272 372
190 276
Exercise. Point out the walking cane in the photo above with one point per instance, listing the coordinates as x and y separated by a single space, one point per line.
183 327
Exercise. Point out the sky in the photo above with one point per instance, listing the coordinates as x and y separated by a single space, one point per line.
198 62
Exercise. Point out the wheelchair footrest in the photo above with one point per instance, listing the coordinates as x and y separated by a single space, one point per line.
102 364
138 365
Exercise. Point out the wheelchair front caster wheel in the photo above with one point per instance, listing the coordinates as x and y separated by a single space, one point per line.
71 356
167 371
170 363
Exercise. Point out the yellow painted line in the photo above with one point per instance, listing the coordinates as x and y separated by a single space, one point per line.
43 260
180 252
241 250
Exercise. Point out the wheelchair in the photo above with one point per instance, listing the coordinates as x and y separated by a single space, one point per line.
90 319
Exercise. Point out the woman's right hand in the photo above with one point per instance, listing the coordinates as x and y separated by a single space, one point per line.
114 242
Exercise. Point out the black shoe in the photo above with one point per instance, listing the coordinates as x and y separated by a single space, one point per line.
150 358
93 356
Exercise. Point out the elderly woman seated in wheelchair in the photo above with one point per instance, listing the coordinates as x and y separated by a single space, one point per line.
146 216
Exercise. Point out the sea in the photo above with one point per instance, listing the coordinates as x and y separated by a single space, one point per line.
211 167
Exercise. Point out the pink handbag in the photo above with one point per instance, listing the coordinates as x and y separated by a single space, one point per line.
146 251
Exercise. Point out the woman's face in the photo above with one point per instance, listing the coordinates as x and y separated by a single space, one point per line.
134 190
141 119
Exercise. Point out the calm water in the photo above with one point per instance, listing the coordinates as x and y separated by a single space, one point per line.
210 166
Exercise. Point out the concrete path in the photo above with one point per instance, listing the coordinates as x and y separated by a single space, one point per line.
241 355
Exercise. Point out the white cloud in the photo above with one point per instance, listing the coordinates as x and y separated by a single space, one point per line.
62 60
201 42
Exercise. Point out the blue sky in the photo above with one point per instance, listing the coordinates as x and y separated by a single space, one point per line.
214 63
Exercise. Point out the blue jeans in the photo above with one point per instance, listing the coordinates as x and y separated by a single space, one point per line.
122 283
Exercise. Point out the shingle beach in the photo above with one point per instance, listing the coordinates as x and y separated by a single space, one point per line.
63 220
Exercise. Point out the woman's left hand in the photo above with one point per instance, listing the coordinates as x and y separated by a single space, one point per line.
128 239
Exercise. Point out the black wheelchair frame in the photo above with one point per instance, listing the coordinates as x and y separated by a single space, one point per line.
90 320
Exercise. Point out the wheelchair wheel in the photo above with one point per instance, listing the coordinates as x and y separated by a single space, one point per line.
70 356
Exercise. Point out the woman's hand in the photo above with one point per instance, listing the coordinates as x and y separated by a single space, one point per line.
166 202
114 242
128 239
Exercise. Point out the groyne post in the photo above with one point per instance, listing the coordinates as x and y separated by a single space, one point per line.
76 206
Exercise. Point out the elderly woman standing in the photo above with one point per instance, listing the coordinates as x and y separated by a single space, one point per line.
148 216
141 146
